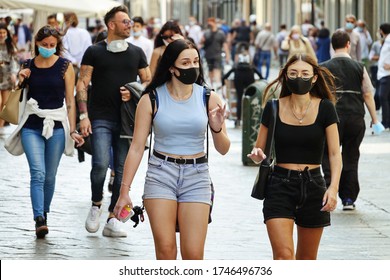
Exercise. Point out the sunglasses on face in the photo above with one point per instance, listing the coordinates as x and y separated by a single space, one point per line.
127 22
166 37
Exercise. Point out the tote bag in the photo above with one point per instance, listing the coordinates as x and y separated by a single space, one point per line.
13 109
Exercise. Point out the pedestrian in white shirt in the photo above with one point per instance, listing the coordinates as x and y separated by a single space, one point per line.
384 74
138 39
194 30
365 40
76 40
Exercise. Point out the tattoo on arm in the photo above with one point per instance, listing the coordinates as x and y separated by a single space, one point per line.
82 85
85 72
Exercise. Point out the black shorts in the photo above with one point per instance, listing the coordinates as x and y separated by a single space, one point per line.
296 195
214 63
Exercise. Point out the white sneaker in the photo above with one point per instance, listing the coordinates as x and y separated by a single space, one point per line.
92 223
113 229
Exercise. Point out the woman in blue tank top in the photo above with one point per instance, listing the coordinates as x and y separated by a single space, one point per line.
296 192
177 188
48 124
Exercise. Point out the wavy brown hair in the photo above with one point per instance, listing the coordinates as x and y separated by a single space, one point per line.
47 31
324 87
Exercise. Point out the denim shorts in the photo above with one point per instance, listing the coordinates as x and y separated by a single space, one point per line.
296 195
179 182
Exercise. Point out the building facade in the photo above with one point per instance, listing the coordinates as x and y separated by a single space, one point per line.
290 12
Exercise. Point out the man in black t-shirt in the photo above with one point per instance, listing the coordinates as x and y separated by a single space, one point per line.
214 43
108 65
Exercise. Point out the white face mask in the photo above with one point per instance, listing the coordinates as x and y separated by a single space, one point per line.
117 46
295 36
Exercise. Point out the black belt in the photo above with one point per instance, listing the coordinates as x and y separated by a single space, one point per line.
181 160
296 173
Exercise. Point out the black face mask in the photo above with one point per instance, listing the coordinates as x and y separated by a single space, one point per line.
187 76
299 85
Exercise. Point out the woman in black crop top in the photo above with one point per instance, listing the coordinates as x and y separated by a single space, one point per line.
296 191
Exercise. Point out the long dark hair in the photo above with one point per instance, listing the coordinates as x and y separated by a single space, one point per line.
169 25
324 87
11 50
47 31
168 59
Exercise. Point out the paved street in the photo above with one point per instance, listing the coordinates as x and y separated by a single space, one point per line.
237 230
236 233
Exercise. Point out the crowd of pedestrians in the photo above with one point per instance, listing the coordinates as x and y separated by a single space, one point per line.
68 66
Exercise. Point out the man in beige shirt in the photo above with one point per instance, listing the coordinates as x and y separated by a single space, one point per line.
264 43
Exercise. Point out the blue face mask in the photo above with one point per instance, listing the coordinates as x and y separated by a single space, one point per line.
46 53
137 34
349 26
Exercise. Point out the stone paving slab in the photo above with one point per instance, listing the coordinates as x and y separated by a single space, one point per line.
237 231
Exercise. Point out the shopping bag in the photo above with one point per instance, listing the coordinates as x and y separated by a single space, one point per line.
14 107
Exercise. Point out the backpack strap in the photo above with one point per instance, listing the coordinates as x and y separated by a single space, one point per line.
153 101
207 94
152 97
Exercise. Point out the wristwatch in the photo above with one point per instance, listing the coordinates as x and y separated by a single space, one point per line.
83 116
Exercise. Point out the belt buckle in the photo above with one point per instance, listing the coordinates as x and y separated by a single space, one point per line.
180 160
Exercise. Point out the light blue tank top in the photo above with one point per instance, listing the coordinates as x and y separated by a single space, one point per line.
180 126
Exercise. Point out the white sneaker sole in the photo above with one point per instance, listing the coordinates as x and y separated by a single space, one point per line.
90 229
109 233
348 207
96 227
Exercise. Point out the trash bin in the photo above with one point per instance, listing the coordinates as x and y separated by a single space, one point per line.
251 116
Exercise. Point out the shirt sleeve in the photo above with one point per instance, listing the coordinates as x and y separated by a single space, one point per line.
366 82
329 113
143 63
88 57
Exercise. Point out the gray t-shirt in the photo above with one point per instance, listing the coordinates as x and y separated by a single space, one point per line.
213 44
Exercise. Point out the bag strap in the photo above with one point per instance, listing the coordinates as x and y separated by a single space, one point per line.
271 129
24 83
265 41
207 94
152 97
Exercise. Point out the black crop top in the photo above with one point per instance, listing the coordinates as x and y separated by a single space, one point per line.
302 144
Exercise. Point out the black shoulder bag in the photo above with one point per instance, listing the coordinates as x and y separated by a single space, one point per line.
266 166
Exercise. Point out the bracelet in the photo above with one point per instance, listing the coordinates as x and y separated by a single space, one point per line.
215 131
126 185
74 131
